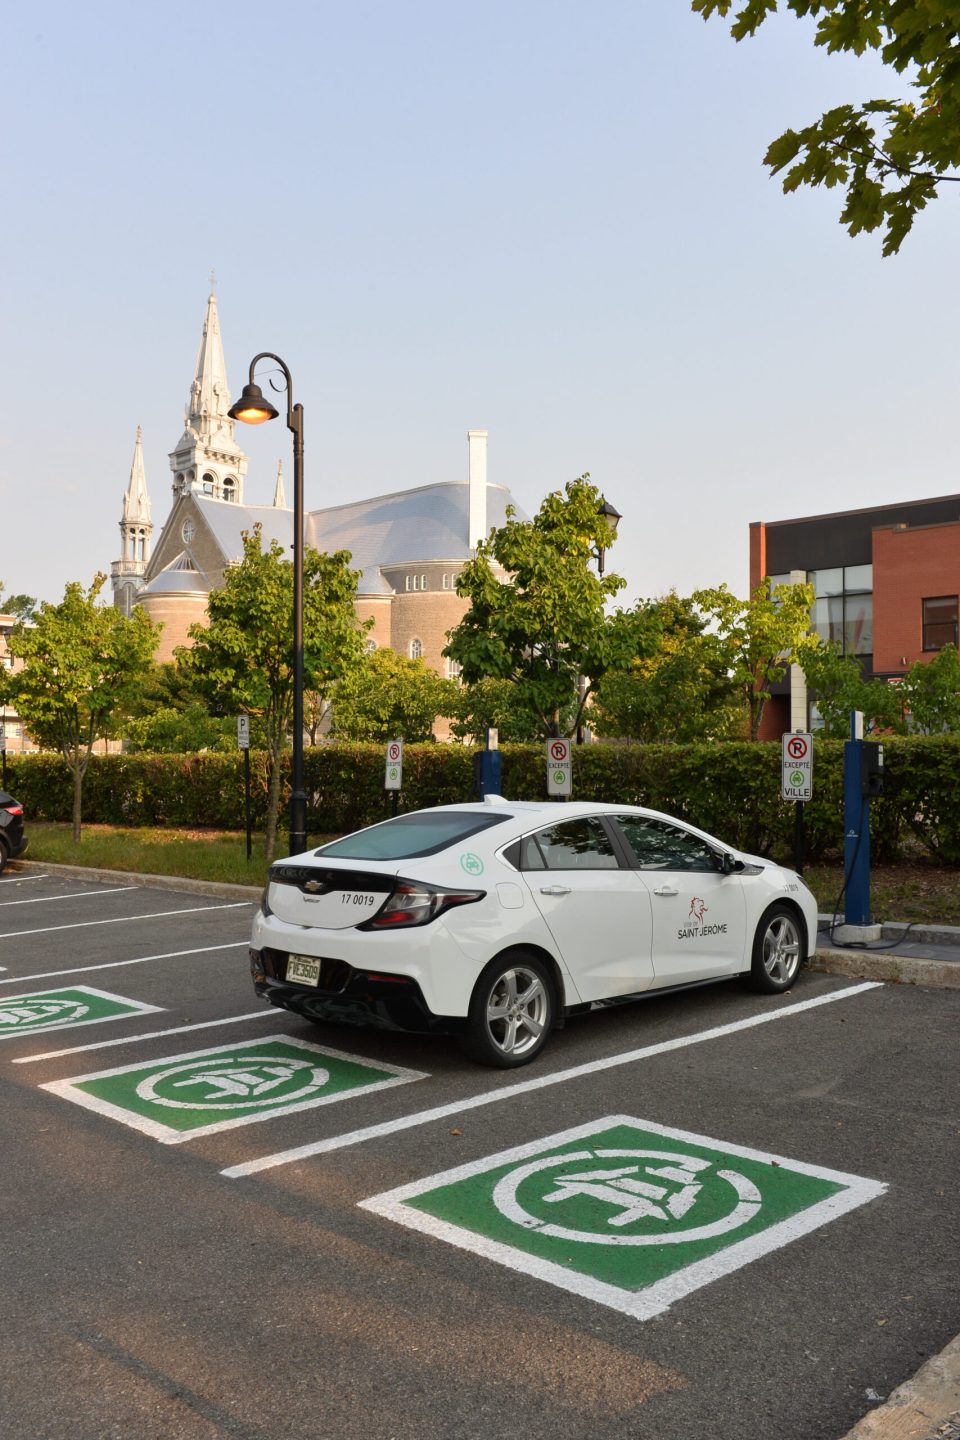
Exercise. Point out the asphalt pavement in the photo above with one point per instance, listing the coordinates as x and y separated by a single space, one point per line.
294 1227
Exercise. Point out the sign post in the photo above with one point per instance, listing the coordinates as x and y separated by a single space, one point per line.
796 783
243 741
559 768
393 778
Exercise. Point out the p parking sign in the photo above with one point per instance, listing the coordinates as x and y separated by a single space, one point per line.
559 767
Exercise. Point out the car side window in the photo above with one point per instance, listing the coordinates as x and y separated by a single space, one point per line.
659 845
574 845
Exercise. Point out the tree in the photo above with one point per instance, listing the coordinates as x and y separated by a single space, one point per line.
243 659
759 637
389 695
83 666
676 688
544 627
22 606
495 705
930 692
889 156
837 684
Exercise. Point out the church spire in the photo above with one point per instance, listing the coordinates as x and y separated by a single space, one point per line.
279 498
209 395
136 501
136 530
208 461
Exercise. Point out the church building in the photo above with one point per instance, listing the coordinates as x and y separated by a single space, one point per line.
409 545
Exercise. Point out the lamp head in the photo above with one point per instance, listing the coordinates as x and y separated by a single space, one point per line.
253 408
610 514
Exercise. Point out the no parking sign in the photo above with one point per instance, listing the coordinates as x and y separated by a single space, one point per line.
559 767
796 777
393 780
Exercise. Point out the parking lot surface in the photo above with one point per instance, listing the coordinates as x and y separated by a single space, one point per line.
715 1213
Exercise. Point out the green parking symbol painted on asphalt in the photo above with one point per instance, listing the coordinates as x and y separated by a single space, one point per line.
64 1009
626 1212
205 1091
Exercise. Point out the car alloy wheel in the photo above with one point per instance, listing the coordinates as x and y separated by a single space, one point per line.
511 1012
777 950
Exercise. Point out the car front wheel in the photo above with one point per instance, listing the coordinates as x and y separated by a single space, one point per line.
511 1012
777 950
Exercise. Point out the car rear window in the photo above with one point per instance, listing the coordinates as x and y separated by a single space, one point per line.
408 836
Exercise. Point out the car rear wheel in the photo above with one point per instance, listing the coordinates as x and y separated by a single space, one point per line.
778 950
511 1012
4 853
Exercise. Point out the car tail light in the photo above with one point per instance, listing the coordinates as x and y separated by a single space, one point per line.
414 904
13 809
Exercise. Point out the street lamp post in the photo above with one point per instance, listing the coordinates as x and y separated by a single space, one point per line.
253 408
607 512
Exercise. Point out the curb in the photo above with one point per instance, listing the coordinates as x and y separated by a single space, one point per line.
894 969
155 882
926 1407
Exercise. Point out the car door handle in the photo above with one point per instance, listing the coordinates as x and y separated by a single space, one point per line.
666 890
554 889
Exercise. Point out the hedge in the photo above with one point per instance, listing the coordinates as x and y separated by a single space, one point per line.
730 789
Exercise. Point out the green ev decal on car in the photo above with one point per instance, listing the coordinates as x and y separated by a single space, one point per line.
206 1091
626 1212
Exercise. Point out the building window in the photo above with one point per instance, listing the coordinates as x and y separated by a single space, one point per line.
416 649
423 582
209 481
453 670
445 581
406 582
843 609
229 488
939 622
369 646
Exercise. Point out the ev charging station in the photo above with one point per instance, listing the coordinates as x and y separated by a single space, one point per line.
486 766
862 780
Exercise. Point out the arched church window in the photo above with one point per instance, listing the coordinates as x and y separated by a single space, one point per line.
229 488
369 646
209 481
453 670
416 649
423 582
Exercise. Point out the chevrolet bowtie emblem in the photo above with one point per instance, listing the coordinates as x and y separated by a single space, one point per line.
313 886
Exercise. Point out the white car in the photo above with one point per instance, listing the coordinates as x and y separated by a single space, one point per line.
496 920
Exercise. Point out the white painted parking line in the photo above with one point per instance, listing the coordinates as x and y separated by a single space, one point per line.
541 1082
115 964
77 895
125 919
24 879
271 1014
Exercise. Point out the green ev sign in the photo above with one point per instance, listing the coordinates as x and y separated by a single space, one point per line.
626 1212
64 1009
206 1091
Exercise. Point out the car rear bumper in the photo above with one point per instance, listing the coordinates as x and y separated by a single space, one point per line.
350 996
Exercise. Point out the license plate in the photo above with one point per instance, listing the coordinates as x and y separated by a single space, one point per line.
303 970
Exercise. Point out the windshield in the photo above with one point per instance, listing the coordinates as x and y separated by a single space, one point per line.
409 836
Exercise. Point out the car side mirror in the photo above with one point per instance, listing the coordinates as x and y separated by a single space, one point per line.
729 864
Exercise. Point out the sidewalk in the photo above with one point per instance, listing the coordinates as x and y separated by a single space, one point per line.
904 955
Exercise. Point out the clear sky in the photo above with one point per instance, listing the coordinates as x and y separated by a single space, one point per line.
545 218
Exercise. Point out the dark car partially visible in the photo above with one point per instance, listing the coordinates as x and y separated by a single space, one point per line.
12 839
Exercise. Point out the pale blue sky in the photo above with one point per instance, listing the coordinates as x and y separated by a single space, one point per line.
546 218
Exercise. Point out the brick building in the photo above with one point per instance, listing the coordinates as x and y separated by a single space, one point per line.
886 581
409 545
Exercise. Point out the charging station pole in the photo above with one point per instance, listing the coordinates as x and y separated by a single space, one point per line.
862 779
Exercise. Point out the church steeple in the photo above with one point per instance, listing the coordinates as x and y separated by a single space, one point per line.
136 529
208 460
279 498
209 396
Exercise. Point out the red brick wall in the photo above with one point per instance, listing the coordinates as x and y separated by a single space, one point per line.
908 567
758 553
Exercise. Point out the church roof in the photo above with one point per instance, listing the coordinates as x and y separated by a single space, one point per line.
404 528
180 577
429 523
